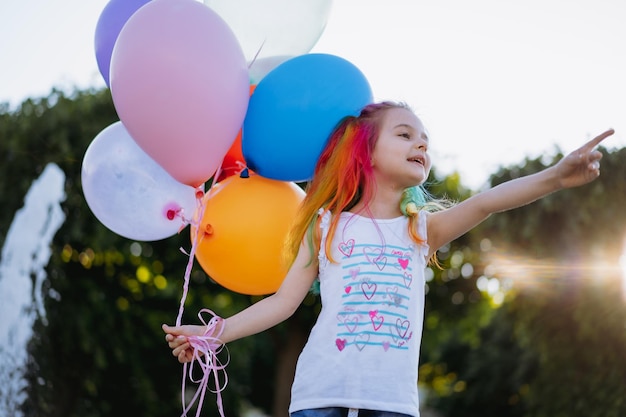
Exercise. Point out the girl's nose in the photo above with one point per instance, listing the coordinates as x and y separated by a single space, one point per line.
421 145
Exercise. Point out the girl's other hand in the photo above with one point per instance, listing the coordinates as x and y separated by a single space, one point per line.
582 165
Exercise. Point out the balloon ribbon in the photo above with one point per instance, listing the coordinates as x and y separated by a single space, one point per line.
207 346
205 351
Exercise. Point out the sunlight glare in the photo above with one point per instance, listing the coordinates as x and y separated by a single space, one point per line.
622 264
505 272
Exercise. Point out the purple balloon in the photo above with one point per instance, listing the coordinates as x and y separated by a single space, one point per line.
111 21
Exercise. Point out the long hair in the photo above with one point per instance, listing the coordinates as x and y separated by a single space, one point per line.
343 177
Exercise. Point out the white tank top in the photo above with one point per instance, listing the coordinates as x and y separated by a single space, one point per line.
363 351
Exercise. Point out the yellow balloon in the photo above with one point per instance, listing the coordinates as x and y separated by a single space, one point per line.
243 231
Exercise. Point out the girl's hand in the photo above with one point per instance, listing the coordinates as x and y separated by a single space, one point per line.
176 338
583 165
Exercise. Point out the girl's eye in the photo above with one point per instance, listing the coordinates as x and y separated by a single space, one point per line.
405 135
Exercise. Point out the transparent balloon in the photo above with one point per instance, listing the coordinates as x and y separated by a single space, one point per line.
270 32
131 194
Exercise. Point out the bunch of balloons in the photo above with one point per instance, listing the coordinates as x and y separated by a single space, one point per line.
204 92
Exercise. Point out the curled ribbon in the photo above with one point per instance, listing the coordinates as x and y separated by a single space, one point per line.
205 351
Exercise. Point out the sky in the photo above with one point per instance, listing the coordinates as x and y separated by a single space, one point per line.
494 81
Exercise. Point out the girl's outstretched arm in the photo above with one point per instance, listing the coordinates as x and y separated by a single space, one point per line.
578 168
258 317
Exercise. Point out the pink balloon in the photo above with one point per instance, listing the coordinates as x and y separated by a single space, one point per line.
180 85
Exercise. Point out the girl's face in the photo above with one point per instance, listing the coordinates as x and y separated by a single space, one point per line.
400 157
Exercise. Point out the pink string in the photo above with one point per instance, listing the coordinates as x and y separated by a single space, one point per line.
206 347
192 253
205 351
201 204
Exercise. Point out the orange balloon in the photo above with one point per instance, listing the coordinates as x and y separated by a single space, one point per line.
243 231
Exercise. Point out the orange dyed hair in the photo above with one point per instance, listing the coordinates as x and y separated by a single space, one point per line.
343 176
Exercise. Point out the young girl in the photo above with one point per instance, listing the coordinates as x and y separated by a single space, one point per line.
366 231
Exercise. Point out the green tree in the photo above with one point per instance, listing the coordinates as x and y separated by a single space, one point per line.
567 300
555 346
102 352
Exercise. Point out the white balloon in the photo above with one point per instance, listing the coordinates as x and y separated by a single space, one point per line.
129 192
263 66
272 31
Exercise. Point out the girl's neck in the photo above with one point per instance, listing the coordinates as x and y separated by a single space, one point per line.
385 204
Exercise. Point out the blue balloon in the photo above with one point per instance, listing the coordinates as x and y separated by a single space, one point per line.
293 111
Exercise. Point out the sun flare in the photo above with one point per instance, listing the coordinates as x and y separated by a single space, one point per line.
518 273
622 264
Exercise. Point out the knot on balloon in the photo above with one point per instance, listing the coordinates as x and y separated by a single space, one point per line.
173 210
171 214
205 351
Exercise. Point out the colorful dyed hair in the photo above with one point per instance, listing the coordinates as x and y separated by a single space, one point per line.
344 176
